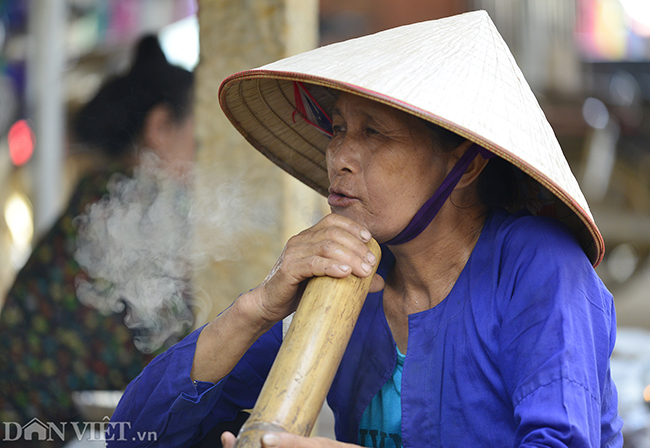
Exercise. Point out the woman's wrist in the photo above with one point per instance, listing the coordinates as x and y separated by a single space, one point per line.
225 340
250 309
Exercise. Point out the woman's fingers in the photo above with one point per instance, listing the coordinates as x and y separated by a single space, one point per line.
331 259
352 227
228 440
276 440
332 251
288 440
344 231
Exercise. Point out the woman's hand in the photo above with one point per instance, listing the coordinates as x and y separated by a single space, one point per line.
287 440
335 247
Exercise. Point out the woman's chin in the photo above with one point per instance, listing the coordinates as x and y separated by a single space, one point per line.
350 213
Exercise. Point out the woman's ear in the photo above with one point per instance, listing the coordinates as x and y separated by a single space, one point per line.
158 122
473 170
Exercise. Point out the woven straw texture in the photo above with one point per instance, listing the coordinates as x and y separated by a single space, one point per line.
456 72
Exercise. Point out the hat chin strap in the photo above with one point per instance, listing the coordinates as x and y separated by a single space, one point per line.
430 209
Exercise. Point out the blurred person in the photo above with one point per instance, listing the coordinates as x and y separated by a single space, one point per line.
51 344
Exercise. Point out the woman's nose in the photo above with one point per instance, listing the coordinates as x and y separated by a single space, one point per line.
343 155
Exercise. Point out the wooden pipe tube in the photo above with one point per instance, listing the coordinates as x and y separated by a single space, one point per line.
309 357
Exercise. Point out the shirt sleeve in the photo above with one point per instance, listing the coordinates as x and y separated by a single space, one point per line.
164 407
557 334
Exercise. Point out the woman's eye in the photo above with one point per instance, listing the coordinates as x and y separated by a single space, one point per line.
371 131
337 129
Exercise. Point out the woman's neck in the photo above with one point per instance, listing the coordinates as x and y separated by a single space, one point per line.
427 267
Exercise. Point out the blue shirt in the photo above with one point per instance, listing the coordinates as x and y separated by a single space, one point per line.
516 355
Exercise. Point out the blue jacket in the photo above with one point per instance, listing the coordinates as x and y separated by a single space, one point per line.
516 355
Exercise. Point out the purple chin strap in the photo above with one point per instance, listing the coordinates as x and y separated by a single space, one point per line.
430 209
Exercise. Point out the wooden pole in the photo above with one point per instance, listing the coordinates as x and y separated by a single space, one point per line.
238 35
309 357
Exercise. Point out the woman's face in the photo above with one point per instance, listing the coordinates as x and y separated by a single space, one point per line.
172 140
381 164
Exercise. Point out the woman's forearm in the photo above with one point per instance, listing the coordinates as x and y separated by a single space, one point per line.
224 341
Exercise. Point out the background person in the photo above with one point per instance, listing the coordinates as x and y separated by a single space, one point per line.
51 344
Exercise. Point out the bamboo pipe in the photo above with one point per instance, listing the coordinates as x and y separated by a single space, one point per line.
309 357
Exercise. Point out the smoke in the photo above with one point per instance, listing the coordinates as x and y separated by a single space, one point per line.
138 247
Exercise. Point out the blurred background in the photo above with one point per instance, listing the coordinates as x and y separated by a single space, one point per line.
588 62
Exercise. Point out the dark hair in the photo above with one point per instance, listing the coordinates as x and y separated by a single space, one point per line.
114 119
497 184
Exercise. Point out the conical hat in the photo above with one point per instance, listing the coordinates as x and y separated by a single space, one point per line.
456 72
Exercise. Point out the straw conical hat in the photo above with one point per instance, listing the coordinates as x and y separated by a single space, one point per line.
456 72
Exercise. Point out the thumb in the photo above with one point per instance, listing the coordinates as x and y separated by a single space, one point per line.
228 440
271 440
377 283
285 440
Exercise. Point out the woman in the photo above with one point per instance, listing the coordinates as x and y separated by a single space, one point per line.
485 326
51 344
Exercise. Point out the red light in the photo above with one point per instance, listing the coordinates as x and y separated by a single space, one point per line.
21 142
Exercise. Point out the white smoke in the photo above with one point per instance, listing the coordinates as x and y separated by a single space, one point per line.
137 246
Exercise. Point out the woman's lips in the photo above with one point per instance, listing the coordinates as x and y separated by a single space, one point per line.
340 200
